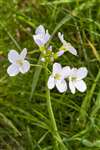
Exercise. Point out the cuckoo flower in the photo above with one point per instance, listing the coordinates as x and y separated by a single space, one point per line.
66 46
41 36
19 64
76 79
57 77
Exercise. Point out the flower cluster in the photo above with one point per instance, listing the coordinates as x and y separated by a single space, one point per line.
41 37
60 76
74 76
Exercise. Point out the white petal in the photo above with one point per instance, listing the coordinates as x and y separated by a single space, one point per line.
66 71
57 68
61 37
13 56
70 48
13 70
73 72
61 85
23 53
40 30
38 40
25 67
80 85
60 53
51 82
72 87
46 37
82 73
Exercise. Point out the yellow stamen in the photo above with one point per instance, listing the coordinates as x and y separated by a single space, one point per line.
19 62
57 76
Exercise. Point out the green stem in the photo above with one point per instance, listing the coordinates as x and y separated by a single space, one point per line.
53 123
52 118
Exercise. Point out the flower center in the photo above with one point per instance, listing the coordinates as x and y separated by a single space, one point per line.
19 62
72 78
57 76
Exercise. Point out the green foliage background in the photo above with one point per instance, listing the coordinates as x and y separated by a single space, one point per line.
24 122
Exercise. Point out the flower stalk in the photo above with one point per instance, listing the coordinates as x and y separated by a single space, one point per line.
58 140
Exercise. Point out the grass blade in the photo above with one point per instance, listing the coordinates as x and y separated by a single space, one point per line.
87 101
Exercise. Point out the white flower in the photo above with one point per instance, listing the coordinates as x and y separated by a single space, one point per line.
57 77
67 46
41 36
19 64
75 79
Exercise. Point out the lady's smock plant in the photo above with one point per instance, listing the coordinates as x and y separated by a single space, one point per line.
61 77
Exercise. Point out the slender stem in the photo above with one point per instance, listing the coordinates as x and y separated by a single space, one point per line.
52 118
53 123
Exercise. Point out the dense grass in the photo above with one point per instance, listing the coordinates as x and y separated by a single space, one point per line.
25 123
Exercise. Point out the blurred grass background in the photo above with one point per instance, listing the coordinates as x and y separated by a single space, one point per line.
24 123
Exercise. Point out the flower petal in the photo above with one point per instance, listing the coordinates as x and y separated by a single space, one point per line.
65 71
80 85
61 85
57 68
38 39
13 56
13 70
51 82
40 30
23 53
70 48
72 87
46 37
25 67
73 72
61 37
60 53
82 73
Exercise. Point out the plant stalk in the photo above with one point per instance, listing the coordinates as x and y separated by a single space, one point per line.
58 140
